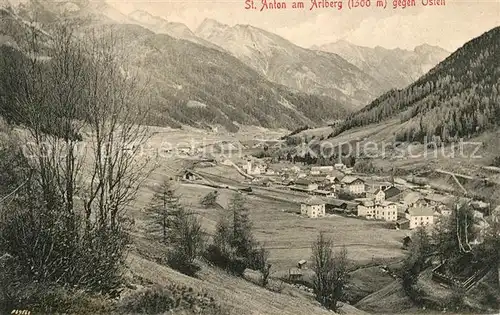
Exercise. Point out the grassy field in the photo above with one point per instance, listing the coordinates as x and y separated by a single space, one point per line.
289 236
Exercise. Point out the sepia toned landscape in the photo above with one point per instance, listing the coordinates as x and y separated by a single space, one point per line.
149 167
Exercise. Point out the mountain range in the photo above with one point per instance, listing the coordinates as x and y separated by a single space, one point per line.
162 26
232 75
458 98
285 63
188 83
395 67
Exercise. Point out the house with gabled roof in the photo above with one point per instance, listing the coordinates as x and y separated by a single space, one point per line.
414 199
392 193
366 208
353 185
420 216
313 207
304 184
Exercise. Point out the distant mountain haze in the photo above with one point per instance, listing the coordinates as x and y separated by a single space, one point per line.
242 74
285 63
162 26
396 68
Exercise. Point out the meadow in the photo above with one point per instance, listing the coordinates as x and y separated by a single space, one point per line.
288 236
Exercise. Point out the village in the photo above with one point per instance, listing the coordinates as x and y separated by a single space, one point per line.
336 189
374 216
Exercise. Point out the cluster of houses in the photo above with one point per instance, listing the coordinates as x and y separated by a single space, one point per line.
324 181
406 208
335 189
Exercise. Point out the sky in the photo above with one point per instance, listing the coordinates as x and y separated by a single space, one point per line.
448 26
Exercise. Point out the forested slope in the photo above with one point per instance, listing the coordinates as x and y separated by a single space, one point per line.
458 98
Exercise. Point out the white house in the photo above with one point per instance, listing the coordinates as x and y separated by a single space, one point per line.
387 211
366 208
353 185
379 196
384 211
313 207
420 216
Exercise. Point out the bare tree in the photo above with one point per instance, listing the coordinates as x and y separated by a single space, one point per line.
72 90
330 272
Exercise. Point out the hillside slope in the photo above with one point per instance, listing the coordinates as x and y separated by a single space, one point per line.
395 67
457 98
238 295
196 85
283 62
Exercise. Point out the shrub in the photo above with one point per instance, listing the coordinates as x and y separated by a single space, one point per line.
214 255
227 261
178 263
210 199
237 265
160 299
48 298
152 300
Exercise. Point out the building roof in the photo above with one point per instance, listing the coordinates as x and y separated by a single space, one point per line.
313 201
438 198
421 212
336 202
367 202
392 191
350 179
412 197
318 178
303 181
